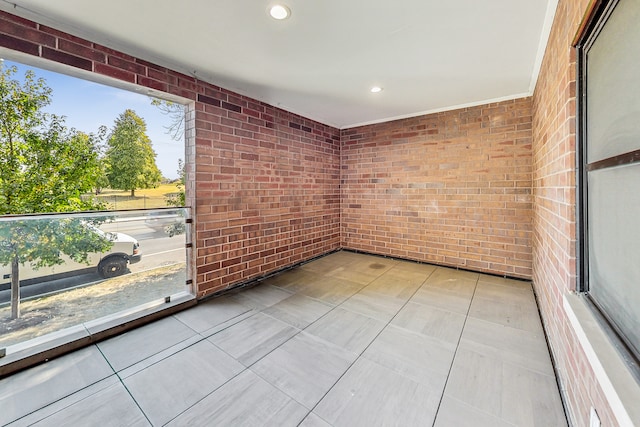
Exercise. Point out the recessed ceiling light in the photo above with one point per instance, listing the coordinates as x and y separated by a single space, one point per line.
279 12
376 89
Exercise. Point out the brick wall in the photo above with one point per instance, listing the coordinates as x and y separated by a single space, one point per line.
554 236
452 188
267 189
263 183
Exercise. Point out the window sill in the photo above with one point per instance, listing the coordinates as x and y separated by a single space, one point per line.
620 388
41 349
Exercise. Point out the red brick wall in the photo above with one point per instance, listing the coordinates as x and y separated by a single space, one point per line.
263 183
554 236
452 188
267 189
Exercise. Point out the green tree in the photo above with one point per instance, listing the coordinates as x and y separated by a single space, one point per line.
102 181
179 199
175 130
44 167
131 160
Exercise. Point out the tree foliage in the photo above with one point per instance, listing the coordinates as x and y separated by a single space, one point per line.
176 112
178 227
179 199
130 158
176 131
44 167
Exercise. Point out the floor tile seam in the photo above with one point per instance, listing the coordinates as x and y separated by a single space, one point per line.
135 401
438 341
348 282
298 330
447 275
529 283
360 357
445 293
524 296
205 333
435 281
178 319
309 413
510 290
500 324
529 334
204 397
523 366
354 311
228 354
201 339
477 409
520 334
201 332
442 309
366 270
455 354
257 374
391 276
115 375
404 375
332 308
327 303
119 371
460 272
247 290
147 367
513 288
89 334
392 318
528 369
364 350
264 314
429 287
378 293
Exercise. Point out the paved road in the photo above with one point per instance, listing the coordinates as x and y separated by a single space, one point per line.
158 249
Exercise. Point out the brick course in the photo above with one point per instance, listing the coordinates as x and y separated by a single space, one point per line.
267 193
263 183
452 188
475 188
554 237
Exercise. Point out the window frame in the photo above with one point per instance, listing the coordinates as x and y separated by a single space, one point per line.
594 21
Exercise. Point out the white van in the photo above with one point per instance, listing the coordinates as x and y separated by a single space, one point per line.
125 250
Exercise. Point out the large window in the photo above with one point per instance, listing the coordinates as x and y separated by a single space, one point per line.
93 228
609 157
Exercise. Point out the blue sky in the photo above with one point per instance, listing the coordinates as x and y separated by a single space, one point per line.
87 106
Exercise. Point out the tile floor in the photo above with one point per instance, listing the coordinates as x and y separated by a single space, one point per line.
346 340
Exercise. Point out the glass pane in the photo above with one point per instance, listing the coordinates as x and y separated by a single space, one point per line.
613 85
79 268
614 245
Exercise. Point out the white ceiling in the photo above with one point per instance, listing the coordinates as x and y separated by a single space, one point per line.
428 55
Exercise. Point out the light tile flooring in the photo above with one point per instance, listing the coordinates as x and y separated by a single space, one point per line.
346 340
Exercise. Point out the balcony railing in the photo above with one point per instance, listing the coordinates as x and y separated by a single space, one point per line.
61 273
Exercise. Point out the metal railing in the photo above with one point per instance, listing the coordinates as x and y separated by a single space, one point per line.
62 270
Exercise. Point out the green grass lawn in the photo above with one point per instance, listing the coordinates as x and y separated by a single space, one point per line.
144 198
